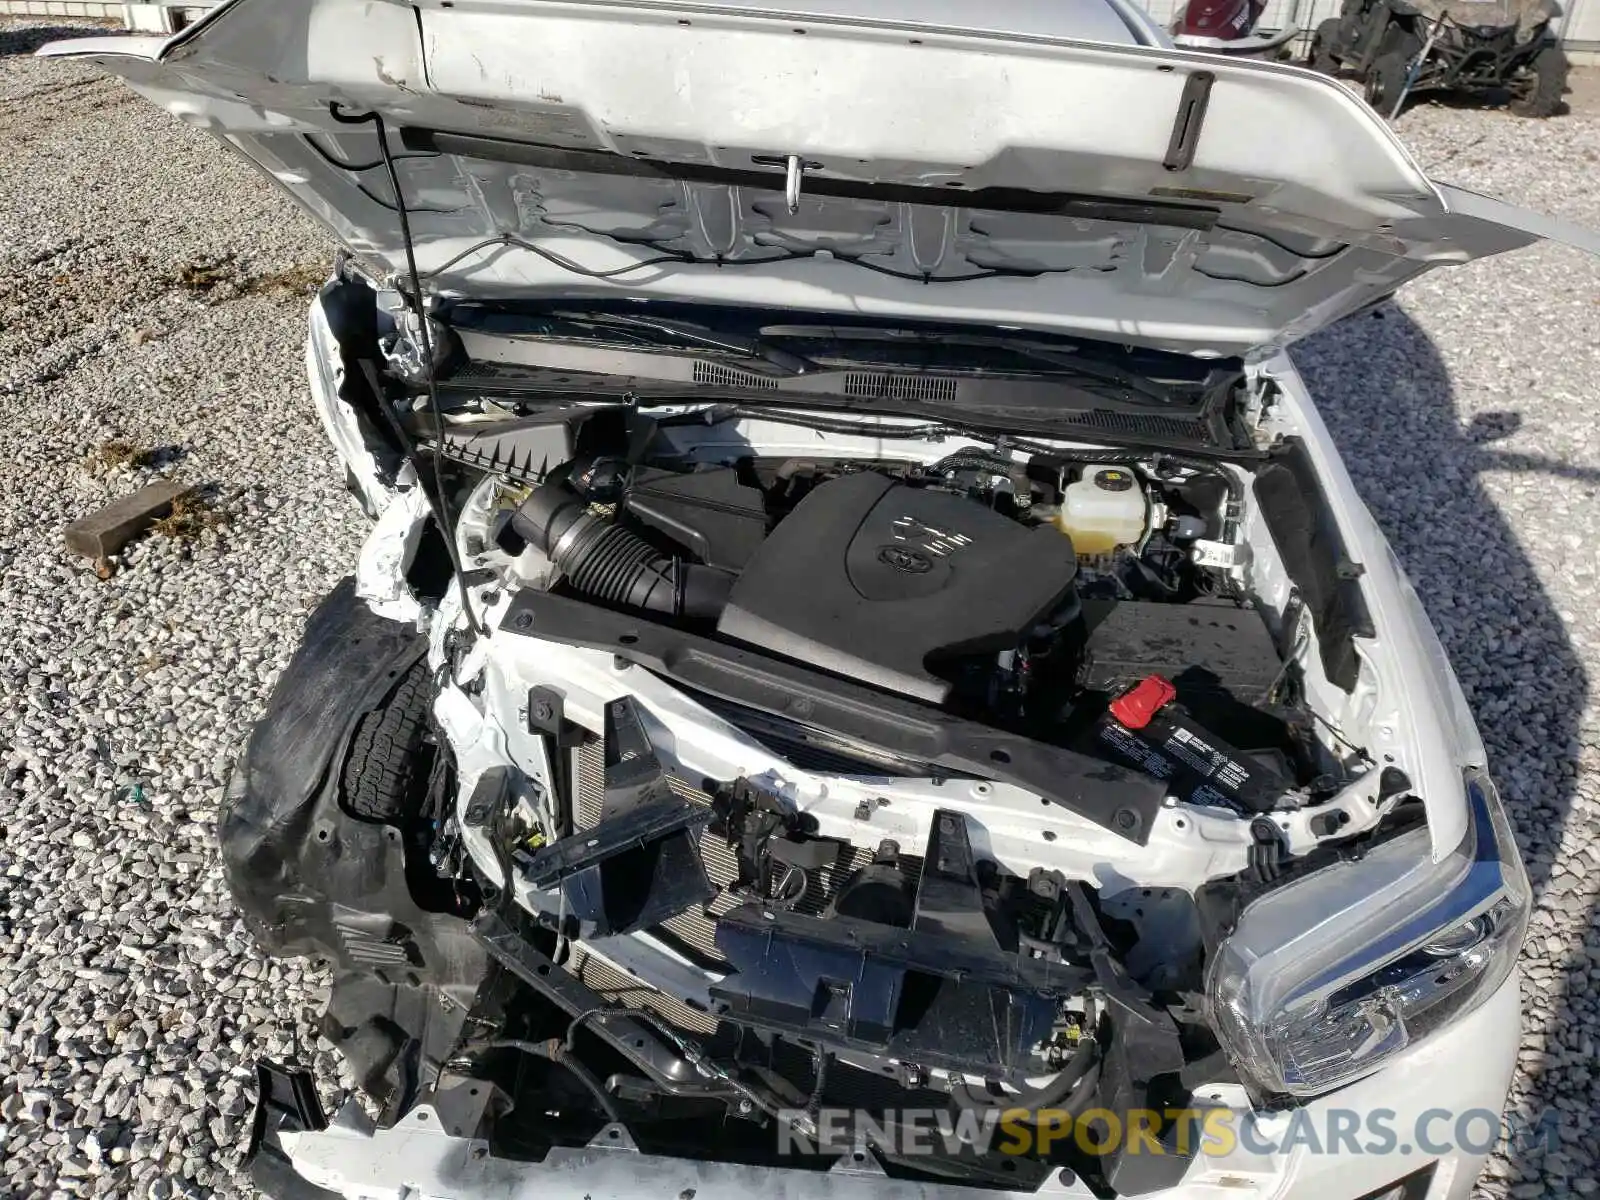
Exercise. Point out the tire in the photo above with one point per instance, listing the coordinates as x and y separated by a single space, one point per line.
1546 82
1387 77
385 777
1321 57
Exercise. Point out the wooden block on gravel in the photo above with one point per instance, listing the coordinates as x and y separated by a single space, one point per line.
101 534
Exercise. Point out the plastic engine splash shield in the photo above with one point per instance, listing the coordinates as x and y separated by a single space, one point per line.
308 878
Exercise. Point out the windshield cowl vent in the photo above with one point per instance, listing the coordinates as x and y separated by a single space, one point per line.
881 385
721 375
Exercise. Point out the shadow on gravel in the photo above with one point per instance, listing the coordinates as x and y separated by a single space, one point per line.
1386 396
30 37
1489 100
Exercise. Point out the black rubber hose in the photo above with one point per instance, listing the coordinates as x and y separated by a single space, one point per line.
615 564
555 1052
978 457
1070 1091
1235 507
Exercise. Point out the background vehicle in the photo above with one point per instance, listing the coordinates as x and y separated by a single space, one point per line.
1474 47
1229 27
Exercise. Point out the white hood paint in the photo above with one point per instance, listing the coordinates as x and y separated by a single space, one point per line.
1299 205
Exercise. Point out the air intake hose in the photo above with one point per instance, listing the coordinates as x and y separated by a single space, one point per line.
615 564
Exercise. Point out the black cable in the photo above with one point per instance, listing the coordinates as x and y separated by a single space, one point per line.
924 276
819 1082
334 161
1285 282
354 168
1272 241
579 1020
441 499
560 260
686 259
1234 512
978 458
554 1052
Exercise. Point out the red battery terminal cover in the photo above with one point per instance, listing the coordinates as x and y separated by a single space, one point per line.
1135 708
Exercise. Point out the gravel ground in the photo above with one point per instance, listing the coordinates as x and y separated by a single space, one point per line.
154 294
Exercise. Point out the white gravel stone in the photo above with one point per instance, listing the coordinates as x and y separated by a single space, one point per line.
132 1002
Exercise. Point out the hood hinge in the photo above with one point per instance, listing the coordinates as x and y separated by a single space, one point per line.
402 344
1260 395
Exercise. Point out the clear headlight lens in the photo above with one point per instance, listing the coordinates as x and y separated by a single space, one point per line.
1326 978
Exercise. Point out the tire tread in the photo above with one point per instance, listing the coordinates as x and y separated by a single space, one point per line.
380 779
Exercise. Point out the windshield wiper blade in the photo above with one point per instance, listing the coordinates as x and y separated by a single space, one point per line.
1067 359
699 335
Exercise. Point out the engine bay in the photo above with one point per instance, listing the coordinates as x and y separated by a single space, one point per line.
1025 594
778 762
738 783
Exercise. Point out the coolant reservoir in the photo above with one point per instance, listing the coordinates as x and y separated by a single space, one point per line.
1103 510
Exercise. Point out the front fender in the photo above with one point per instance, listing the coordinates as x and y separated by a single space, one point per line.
310 879
284 839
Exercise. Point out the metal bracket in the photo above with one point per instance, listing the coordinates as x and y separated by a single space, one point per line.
633 774
634 830
633 1040
547 714
614 1137
949 900
1188 121
638 865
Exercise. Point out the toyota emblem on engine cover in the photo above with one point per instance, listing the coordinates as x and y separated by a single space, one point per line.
912 562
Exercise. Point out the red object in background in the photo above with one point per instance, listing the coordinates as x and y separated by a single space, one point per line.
1227 19
1229 27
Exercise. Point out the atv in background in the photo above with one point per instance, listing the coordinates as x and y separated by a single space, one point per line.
1398 47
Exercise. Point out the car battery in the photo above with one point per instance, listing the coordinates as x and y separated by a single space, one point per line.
1145 729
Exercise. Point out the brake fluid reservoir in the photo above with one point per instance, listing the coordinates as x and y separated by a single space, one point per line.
1103 510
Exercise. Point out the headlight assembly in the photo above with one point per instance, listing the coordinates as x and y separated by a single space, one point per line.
1326 978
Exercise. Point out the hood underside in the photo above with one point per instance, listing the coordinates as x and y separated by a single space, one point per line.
824 163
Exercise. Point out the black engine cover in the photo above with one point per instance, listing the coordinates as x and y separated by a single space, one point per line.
879 581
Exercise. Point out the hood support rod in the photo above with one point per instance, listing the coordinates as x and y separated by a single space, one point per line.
439 498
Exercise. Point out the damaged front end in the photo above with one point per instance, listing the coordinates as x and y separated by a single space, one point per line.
749 818
802 973
867 673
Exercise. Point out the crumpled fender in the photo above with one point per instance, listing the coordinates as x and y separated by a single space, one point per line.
310 879
281 810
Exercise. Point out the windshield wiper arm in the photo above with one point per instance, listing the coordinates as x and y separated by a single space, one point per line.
699 335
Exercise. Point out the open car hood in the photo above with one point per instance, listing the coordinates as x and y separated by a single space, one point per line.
813 160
